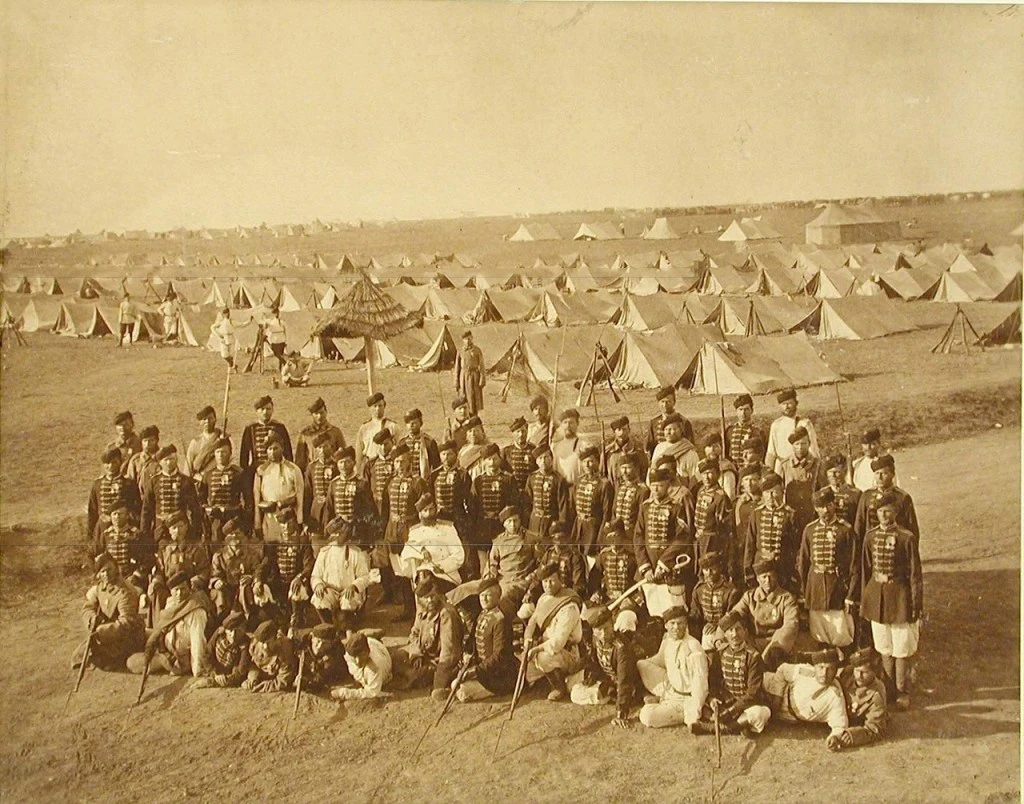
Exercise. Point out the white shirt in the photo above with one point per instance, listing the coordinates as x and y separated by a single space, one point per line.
779 448
341 566
435 547
565 627
188 635
804 699
686 668
373 675
365 448
279 481
566 453
862 476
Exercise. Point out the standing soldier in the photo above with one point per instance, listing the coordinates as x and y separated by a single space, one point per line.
176 555
199 454
456 428
278 486
615 568
847 496
590 502
712 513
563 553
168 493
518 456
862 476
772 535
829 569
452 491
546 497
676 446
367 446
110 489
631 491
170 309
539 431
111 614
666 397
728 476
317 478
470 373
623 447
742 429
318 428
779 445
493 491
885 482
471 456
802 475
398 511
127 442
380 467
253 450
425 454
143 464
663 534
127 318
223 491
746 502
350 499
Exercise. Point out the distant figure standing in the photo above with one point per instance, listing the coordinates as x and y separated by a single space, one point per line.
127 316
169 310
224 331
470 376
274 329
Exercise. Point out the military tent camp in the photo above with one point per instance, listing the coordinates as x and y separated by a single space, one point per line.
831 283
981 324
598 231
644 313
721 279
960 286
857 318
569 351
746 230
17 284
907 283
656 359
87 320
41 314
838 224
528 233
661 229
515 304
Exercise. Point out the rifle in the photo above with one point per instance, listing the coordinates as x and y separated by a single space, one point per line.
842 423
298 682
520 683
718 733
85 663
224 409
138 699
447 704
554 390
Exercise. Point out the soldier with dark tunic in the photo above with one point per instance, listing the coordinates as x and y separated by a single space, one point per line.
223 492
518 456
398 511
111 613
546 497
865 703
457 426
425 454
470 373
175 554
609 663
274 664
829 570
253 449
752 454
349 497
564 554
615 568
110 489
728 475
737 682
144 464
663 534
317 477
493 491
122 542
231 568
623 447
713 596
324 665
199 453
742 429
379 469
289 565
802 475
747 500
511 559
471 456
590 502
305 446
127 442
772 534
227 651
452 493
666 397
774 614
630 491
885 483
167 494
712 512
434 649
494 665
847 496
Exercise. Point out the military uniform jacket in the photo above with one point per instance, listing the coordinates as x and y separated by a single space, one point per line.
104 495
613 661
230 569
286 561
866 707
324 671
173 557
496 665
736 434
228 660
738 677
613 573
867 519
709 603
847 502
276 663
775 615
350 497
712 519
399 507
115 603
546 500
166 495
304 449
572 566
590 503
438 636
519 463
253 449
802 478
425 454
616 453
511 559
772 534
125 546
378 474
892 587
223 490
654 431
452 491
662 534
317 478
627 501
828 565
491 493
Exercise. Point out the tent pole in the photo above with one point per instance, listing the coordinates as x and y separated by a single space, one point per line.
370 374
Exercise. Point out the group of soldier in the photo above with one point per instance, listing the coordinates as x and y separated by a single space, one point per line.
718 582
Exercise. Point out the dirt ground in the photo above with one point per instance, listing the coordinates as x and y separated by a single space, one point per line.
960 742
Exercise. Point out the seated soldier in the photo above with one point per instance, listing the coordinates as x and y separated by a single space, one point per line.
809 693
713 596
273 661
175 555
615 568
434 546
494 665
177 642
111 614
227 655
676 677
737 682
511 560
295 370
609 668
231 569
324 665
341 576
572 567
434 649
369 665
774 613
865 702
289 563
553 633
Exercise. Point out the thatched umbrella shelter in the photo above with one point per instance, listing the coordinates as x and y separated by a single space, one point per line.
366 312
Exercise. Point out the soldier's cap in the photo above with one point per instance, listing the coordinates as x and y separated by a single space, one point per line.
458 402
104 560
205 413
381 436
177 518
824 657
339 527
823 497
413 415
711 440
885 500
448 446
399 451
231 529
666 462
871 436
543 449
547 570
752 443
865 657
883 462
835 462
675 613
124 417
569 413
614 526
662 476
472 421
519 423
177 580
234 621
785 396
712 558
222 443
111 456
730 619
490 451
149 431
265 631
508 512
620 423
425 501
631 458
356 644
743 399
317 406
325 632
625 622
708 464
374 399
274 437
764 566
596 616
664 392
286 515
590 452
321 438
748 471
166 452
798 434
263 402
539 402
673 418
770 480
488 583
345 453
119 506
426 587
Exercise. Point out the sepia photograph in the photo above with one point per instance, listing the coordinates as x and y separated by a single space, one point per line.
510 401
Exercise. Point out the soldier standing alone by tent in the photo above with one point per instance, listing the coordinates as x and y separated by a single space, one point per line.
470 374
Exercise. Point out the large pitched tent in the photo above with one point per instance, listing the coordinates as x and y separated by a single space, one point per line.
88 321
960 286
534 231
748 229
981 324
598 231
644 313
838 224
656 359
41 314
546 352
857 318
661 229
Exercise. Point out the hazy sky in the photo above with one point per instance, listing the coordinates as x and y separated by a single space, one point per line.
154 114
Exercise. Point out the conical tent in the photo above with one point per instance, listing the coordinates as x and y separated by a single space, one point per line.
657 359
661 229
981 324
41 314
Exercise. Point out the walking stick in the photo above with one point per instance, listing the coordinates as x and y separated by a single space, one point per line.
520 683
298 683
81 670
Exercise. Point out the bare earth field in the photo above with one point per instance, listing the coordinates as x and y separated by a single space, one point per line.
960 743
